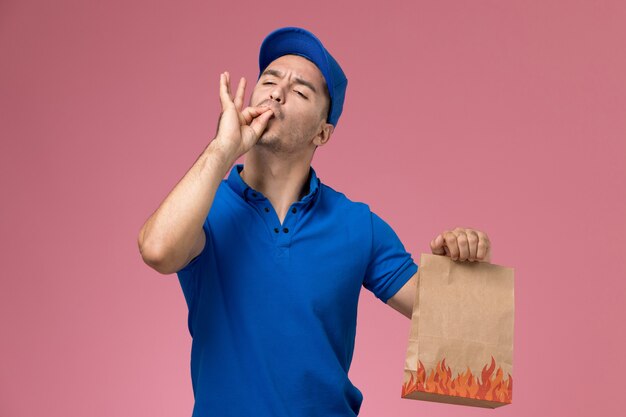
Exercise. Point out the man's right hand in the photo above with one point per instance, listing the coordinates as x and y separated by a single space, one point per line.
238 130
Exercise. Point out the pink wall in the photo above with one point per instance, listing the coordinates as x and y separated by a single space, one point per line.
508 117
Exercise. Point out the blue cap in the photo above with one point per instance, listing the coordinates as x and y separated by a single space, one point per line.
298 41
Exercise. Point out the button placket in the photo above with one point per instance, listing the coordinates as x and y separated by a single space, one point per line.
281 233
261 204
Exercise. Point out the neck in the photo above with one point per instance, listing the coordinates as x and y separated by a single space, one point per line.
283 181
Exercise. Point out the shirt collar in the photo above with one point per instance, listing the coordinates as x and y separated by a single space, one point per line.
248 193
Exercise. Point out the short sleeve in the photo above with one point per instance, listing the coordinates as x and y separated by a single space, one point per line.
193 263
188 275
390 265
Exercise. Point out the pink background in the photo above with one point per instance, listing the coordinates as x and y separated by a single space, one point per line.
508 117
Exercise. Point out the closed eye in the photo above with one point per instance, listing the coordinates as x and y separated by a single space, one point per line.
302 95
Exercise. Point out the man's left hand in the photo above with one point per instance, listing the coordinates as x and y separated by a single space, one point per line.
463 244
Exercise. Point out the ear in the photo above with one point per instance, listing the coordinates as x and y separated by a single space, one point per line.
324 134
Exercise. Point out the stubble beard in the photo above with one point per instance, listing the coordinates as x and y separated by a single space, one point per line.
274 143
270 142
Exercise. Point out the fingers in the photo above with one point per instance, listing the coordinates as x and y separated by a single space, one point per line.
452 245
230 95
472 241
241 88
463 245
225 97
249 113
483 248
436 245
259 123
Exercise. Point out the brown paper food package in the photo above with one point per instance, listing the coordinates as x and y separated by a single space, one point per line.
460 347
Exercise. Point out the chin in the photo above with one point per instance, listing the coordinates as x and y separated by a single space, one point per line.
270 132
268 137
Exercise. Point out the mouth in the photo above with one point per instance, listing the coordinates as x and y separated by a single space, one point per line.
276 113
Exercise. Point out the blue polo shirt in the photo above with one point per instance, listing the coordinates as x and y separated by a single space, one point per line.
273 307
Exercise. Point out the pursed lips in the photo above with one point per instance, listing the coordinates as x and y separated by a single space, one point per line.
277 113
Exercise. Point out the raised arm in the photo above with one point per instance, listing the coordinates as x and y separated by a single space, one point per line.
173 235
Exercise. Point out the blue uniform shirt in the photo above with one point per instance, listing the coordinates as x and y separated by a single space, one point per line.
273 307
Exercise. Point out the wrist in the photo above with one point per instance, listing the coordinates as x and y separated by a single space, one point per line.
218 158
218 152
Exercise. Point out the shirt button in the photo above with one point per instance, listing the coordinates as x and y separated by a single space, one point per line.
253 194
267 209
286 230
293 210
276 229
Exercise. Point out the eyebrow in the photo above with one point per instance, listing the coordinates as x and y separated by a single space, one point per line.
279 74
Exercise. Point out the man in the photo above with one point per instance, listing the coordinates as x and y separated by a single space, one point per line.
271 260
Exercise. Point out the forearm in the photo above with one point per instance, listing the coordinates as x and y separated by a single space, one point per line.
168 236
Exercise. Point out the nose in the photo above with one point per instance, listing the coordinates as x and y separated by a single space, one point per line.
277 93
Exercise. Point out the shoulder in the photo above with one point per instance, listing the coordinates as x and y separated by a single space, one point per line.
361 214
226 198
342 201
344 213
361 211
